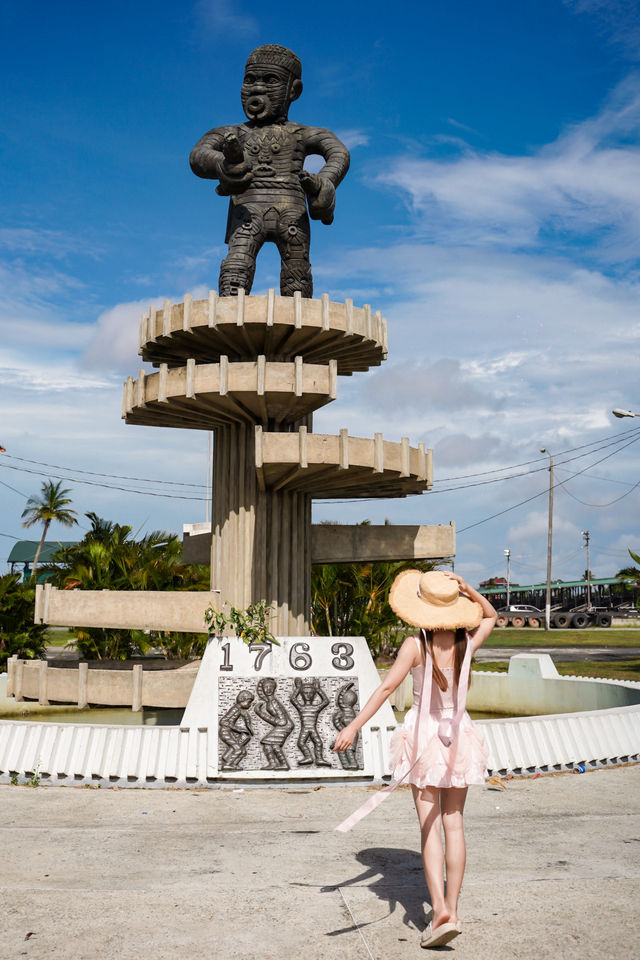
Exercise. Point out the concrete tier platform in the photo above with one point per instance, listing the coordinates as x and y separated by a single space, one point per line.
208 395
327 465
278 327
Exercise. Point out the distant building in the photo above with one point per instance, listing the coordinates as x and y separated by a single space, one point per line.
24 552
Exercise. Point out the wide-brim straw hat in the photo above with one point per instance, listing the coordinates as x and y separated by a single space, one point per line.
432 600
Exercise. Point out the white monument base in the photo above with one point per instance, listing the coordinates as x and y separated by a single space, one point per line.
273 712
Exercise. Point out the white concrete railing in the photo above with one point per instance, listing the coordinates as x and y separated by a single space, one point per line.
179 756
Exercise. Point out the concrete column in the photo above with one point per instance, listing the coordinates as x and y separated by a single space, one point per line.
136 693
43 698
11 674
261 542
17 682
83 685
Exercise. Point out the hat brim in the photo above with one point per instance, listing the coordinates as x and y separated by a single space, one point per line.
405 600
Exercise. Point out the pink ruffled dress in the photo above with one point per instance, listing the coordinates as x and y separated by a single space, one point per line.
461 764
438 744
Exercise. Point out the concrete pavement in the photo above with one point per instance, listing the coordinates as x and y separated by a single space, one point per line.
553 871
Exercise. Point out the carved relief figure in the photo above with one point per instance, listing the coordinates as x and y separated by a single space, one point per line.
234 729
271 710
310 700
259 164
346 700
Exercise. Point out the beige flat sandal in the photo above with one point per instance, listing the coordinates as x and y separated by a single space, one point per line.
441 935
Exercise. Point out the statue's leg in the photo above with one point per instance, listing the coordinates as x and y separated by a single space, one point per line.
294 237
246 236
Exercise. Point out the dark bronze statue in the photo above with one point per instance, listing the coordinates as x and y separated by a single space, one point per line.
259 164
309 699
346 702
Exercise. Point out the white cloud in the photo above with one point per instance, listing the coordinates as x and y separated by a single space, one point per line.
114 345
617 19
585 185
353 138
223 18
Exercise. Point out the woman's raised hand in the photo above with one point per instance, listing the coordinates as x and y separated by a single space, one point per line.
345 738
462 584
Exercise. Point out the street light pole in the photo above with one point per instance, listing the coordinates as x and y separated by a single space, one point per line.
547 605
587 537
507 554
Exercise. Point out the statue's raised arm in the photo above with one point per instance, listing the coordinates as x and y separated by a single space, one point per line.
259 164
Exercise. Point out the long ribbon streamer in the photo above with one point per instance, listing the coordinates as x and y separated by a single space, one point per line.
447 731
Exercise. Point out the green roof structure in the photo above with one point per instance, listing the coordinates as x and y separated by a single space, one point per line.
24 551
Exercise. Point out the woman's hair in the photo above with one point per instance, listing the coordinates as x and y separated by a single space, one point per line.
460 646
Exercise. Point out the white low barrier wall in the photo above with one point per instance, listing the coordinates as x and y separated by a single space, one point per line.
179 756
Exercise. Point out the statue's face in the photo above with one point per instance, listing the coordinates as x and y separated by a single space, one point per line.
269 687
267 92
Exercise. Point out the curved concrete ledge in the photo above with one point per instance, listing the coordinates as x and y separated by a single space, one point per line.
180 756
206 395
280 327
329 465
132 685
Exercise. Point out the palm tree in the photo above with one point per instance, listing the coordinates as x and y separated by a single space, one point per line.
50 505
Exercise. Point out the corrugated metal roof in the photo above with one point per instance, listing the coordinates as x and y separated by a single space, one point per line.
24 551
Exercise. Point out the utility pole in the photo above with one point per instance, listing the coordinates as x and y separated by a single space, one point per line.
587 537
507 554
547 605
209 478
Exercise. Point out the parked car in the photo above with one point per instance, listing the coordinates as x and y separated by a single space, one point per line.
520 615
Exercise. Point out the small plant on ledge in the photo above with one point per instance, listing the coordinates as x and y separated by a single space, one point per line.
249 625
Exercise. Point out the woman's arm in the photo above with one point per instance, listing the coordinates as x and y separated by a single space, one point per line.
489 615
407 658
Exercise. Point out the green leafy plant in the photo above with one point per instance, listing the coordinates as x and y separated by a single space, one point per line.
110 557
249 625
33 779
14 779
352 599
19 635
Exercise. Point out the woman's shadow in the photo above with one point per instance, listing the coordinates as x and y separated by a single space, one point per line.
396 878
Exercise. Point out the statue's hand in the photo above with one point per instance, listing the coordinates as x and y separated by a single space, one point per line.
321 196
234 178
235 171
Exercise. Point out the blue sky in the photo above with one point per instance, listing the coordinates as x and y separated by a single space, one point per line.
492 212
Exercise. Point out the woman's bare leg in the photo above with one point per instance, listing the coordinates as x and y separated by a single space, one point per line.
427 803
452 802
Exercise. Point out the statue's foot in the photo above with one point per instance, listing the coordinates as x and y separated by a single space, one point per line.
322 763
305 763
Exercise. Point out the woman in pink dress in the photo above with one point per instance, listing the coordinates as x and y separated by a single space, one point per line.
438 749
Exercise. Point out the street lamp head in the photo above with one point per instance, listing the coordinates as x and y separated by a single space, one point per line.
507 552
624 413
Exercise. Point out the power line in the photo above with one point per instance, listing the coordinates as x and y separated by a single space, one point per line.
610 502
94 483
526 473
9 487
543 492
112 476
526 463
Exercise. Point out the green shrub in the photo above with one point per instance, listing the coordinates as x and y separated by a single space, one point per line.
19 635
